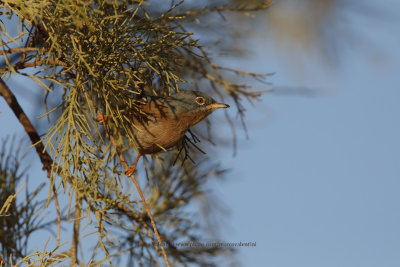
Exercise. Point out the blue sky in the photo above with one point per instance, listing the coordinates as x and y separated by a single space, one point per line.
318 182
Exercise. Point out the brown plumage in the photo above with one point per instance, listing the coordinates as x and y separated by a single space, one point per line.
167 120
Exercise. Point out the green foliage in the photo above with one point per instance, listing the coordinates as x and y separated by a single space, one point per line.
101 57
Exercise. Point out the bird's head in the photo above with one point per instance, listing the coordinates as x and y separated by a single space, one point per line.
192 106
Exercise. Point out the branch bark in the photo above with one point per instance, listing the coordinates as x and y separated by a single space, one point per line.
75 234
19 50
36 63
12 102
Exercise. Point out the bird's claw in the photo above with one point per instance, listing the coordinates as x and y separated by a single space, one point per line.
129 171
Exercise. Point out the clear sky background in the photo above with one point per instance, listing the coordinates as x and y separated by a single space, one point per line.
317 184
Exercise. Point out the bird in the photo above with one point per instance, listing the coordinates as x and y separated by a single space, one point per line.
165 121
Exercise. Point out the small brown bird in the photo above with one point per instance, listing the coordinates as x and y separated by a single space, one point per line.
168 119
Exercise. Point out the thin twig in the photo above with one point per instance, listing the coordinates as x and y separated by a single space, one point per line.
58 215
2 261
19 50
75 234
122 158
36 63
221 9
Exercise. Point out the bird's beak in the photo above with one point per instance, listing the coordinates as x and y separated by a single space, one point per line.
217 105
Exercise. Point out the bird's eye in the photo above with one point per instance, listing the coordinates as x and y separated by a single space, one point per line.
200 100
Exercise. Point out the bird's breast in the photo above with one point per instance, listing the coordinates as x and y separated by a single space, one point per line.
160 130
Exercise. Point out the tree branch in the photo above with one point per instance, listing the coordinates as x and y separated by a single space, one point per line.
36 63
47 160
12 102
19 50
243 9
75 234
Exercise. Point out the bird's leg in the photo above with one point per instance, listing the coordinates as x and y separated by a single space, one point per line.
129 171
101 119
